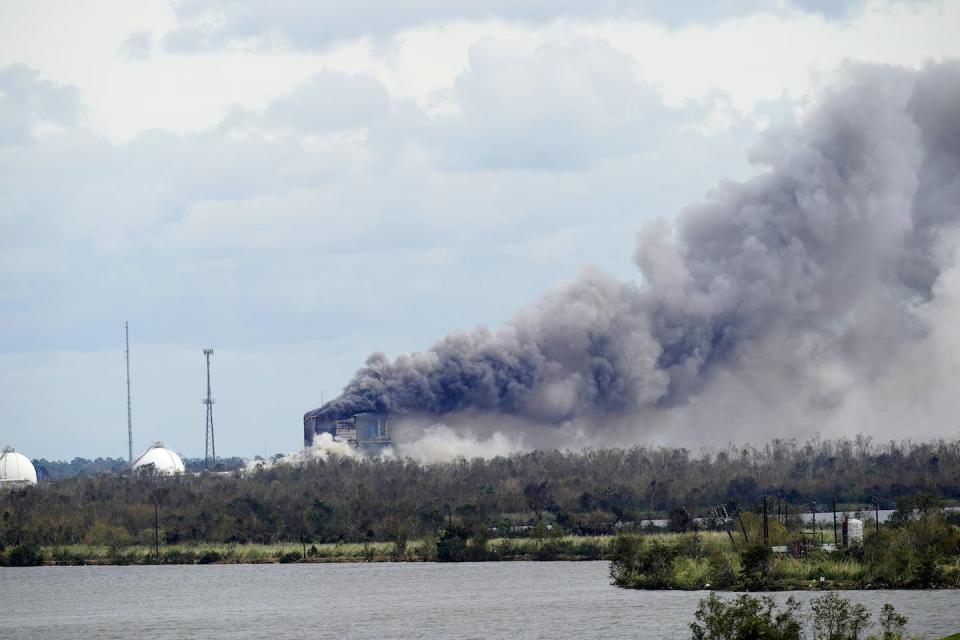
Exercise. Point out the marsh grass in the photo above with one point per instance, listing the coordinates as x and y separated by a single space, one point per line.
562 548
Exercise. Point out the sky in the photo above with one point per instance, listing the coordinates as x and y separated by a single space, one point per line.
297 185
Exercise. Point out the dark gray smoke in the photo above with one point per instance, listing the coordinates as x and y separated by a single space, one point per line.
809 281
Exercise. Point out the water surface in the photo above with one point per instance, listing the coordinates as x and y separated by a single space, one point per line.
381 600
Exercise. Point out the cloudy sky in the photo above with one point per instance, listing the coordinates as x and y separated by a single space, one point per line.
298 184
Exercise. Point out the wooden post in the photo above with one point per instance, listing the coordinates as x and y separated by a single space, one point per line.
742 528
834 522
876 510
766 529
813 521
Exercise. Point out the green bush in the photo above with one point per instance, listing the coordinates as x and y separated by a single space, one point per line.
755 566
641 564
290 556
24 555
892 623
452 545
177 556
209 557
835 618
750 618
589 550
722 571
746 618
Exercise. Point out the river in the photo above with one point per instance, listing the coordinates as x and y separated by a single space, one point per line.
381 600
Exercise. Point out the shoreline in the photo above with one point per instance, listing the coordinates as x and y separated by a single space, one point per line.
789 574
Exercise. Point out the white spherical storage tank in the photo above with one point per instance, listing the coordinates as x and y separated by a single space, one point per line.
16 468
160 460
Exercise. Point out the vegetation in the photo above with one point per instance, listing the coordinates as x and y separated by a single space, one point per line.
563 548
61 469
918 551
491 509
832 618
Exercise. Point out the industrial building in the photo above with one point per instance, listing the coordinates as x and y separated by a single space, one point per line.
369 432
16 469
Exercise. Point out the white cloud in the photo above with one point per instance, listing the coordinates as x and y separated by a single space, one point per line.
378 192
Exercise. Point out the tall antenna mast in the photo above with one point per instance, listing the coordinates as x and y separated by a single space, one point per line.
126 332
210 452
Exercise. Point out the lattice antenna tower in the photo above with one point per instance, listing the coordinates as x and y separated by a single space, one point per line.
210 451
126 354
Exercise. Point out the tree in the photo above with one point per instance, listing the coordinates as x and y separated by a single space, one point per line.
746 618
892 623
836 618
452 544
679 520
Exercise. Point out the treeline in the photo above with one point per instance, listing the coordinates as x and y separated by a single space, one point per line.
587 492
61 469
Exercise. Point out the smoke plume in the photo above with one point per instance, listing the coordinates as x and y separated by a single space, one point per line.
818 296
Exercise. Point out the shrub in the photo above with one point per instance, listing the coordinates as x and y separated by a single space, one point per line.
722 571
24 555
589 550
892 623
553 549
835 618
641 564
290 556
209 557
177 556
744 618
755 566
452 545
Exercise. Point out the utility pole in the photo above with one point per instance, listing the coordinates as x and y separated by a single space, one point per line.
813 520
721 512
210 451
876 511
766 529
126 353
834 522
743 529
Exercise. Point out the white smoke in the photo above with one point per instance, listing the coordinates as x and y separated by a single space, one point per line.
324 446
439 443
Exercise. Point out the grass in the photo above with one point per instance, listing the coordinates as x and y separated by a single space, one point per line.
560 548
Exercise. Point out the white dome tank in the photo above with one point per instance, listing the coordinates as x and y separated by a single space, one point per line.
16 468
163 460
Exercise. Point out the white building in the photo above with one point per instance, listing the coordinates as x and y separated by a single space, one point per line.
159 459
16 468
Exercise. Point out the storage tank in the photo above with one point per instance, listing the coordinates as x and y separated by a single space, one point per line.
160 460
854 531
16 469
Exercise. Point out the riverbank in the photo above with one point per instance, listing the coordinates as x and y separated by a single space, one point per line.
922 554
571 548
